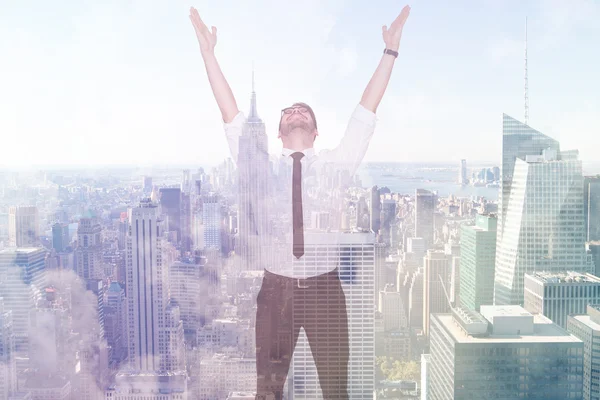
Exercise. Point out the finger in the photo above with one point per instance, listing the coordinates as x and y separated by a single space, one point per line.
384 29
214 30
403 15
199 21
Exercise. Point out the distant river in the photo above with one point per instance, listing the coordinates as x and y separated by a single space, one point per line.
404 178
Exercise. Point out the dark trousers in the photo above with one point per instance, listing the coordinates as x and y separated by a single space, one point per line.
318 305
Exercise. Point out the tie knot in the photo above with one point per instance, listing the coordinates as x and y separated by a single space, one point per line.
297 155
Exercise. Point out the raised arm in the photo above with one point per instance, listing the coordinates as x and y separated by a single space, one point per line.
218 83
378 83
351 150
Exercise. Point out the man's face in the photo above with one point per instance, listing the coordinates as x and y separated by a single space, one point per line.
296 117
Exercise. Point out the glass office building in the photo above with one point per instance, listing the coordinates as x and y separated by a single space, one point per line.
504 352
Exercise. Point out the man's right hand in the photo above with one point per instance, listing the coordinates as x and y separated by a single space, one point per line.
206 38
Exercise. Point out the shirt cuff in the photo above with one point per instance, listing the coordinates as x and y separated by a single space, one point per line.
363 115
237 121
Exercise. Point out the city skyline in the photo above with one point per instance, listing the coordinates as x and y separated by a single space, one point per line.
100 78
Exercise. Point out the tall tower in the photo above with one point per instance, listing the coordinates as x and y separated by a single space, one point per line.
375 209
147 292
542 223
478 260
526 79
437 268
23 278
518 141
253 169
89 247
425 202
170 205
355 252
23 226
462 172
8 369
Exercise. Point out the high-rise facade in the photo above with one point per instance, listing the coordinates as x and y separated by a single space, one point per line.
147 292
253 175
542 220
478 258
354 251
115 323
518 141
560 294
8 365
375 209
437 267
23 226
23 279
462 172
188 289
88 253
425 202
586 327
212 220
504 352
170 207
60 236
591 207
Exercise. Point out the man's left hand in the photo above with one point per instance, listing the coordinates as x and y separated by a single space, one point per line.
392 36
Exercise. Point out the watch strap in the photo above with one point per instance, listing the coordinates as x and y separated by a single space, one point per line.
391 52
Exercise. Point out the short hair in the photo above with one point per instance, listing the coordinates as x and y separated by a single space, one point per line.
310 111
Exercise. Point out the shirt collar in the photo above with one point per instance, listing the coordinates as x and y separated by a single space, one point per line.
309 152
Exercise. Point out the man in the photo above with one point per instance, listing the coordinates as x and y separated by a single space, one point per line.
299 292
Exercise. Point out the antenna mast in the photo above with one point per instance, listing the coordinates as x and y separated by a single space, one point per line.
526 80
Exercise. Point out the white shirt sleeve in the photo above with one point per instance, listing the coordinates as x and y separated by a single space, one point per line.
233 132
351 150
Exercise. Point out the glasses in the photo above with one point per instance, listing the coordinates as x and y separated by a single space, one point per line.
291 110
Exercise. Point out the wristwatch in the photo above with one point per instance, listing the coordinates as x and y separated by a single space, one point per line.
391 52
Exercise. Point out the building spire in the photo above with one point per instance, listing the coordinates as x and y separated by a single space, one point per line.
253 112
526 80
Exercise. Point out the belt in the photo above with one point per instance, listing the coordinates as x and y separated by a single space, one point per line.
302 283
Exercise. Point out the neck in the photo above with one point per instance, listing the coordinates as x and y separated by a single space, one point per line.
296 145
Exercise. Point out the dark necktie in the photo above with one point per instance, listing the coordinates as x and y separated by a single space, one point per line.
298 248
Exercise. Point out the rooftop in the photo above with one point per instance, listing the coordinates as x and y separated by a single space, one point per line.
588 321
545 331
564 277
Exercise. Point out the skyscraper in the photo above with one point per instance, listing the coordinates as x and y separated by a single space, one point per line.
23 226
186 222
436 285
586 327
375 209
147 185
516 354
591 207
253 169
60 236
558 295
211 218
478 259
23 278
462 173
88 253
518 141
425 202
8 365
355 253
170 206
542 219
147 291
115 323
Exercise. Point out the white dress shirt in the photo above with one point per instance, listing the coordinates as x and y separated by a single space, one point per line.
347 156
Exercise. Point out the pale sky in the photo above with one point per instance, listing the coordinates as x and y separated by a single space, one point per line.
123 81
